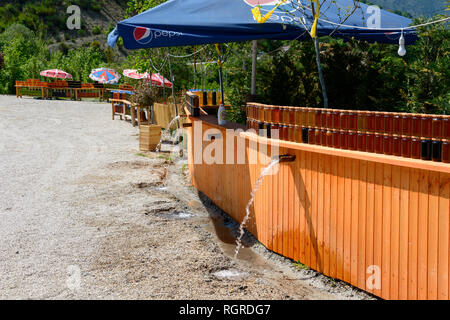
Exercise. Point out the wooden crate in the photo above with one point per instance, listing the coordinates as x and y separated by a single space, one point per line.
149 137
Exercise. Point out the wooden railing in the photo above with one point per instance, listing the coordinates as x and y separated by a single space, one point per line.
378 222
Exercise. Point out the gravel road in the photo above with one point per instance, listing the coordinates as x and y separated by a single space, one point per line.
84 215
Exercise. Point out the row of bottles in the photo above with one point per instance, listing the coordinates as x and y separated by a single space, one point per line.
425 137
208 97
405 124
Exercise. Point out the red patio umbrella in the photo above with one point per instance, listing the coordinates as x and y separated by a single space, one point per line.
56 73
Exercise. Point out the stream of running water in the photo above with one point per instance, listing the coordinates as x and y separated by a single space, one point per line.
265 172
174 120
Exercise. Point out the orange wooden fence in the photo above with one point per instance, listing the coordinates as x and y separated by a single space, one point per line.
341 212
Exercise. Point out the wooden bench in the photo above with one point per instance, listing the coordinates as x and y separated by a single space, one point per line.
120 106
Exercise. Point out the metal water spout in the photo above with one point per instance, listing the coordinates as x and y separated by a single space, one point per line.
287 158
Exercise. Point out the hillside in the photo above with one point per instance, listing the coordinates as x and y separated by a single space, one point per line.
415 8
48 18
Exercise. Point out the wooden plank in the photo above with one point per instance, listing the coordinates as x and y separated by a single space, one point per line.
404 233
297 205
308 209
370 222
304 207
395 234
362 225
348 221
285 211
422 254
378 222
321 202
314 211
333 216
290 212
340 219
413 223
444 218
327 216
354 226
386 250
433 236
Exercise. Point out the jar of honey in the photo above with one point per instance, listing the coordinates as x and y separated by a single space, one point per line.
446 151
361 141
437 151
344 120
317 138
370 121
323 137
292 115
329 138
389 123
291 133
397 123
446 127
267 114
318 115
406 147
268 130
336 119
311 117
362 121
261 113
379 143
311 136
298 133
406 124
370 142
275 114
416 145
426 150
437 129
304 117
329 124
305 135
275 130
336 139
388 142
379 122
397 145
427 122
343 137
323 119
352 140
416 125
353 121
298 116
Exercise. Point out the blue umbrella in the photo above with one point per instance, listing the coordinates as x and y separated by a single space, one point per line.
193 22
104 75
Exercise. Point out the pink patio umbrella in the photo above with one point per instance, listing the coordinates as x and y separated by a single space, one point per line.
56 73
157 80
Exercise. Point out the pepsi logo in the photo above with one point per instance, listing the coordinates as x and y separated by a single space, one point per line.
268 5
143 35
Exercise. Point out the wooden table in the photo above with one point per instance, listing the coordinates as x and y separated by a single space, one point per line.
44 91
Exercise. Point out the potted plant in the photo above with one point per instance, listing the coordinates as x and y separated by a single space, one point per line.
149 135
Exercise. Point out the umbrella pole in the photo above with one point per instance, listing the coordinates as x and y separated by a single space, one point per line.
221 84
321 78
173 85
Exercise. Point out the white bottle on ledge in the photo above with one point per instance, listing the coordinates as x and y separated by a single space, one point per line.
222 115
